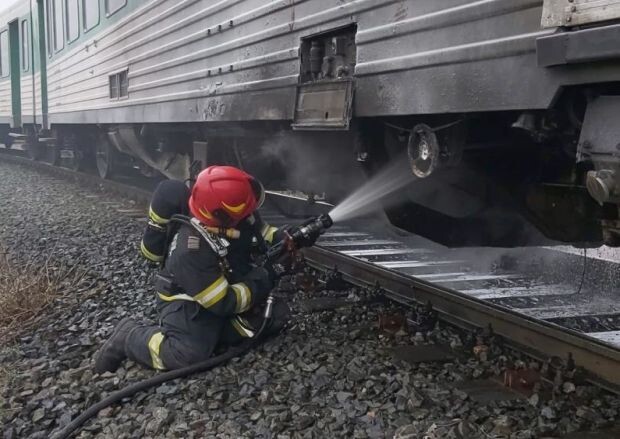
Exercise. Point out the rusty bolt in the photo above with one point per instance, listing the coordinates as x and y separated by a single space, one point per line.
481 352
391 323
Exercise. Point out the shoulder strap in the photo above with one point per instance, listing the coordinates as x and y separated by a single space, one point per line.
218 244
172 228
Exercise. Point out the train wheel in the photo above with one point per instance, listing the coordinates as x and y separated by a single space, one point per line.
8 141
423 151
71 154
76 163
72 157
36 150
104 157
52 154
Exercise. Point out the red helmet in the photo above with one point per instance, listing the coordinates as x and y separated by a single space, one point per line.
223 195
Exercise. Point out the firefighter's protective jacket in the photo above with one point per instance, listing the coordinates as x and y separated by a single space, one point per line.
194 272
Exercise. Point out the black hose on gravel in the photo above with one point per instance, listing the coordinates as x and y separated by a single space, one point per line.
160 379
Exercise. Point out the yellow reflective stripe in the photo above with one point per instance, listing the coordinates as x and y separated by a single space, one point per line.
156 218
212 294
244 295
239 299
154 347
148 255
242 327
268 232
207 297
167 298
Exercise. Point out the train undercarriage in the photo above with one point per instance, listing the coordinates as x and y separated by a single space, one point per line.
489 179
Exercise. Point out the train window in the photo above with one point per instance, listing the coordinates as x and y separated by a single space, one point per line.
59 29
4 54
119 85
114 86
90 14
25 40
111 6
123 81
73 20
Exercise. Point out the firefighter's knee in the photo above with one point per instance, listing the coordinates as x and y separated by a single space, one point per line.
174 353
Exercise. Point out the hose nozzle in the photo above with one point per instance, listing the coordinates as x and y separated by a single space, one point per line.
309 232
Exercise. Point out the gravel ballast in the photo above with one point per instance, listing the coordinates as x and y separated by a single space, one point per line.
331 373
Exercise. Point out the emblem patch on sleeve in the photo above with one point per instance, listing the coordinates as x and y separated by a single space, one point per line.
193 243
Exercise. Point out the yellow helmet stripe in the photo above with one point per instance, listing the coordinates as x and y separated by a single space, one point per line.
235 209
205 213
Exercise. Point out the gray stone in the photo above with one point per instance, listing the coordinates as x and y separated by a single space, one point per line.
547 413
38 415
161 418
343 396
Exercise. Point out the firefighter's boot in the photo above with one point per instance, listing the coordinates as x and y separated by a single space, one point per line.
112 353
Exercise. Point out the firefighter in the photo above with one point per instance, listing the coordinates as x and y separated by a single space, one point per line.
208 286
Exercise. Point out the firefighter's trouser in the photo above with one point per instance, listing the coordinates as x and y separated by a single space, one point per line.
188 334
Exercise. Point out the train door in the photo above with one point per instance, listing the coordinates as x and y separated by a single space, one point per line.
41 52
16 92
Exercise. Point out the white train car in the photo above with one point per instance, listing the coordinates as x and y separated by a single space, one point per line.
494 104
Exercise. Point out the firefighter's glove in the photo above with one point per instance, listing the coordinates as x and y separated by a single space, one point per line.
276 269
263 281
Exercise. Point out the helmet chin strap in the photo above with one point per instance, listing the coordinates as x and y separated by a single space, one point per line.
222 217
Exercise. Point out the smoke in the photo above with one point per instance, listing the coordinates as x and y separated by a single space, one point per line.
317 163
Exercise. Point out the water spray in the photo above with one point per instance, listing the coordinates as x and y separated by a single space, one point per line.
364 199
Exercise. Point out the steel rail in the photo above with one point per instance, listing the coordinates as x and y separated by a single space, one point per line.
538 338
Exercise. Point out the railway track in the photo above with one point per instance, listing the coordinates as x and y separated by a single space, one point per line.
536 311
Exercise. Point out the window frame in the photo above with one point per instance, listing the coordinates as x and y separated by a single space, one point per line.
109 13
114 84
25 50
62 15
82 4
8 75
115 78
122 85
66 25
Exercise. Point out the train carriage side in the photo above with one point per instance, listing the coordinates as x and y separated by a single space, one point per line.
21 101
167 80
